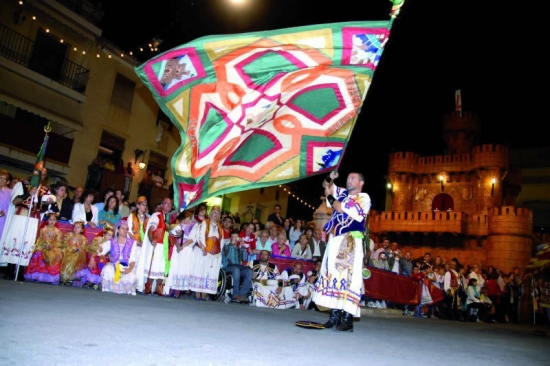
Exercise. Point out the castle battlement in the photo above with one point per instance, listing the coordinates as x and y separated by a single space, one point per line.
483 156
510 211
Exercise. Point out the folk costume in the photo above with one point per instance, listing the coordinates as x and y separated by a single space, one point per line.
14 248
264 288
45 263
121 257
137 225
181 263
154 262
206 269
74 256
96 259
340 280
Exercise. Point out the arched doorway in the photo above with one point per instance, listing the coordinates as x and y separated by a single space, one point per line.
443 202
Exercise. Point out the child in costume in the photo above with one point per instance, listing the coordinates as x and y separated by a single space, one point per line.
90 275
74 253
45 263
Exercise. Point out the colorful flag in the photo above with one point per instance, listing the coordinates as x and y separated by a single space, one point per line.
540 261
458 102
39 164
266 108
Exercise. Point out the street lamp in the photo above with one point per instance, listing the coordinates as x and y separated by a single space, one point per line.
441 181
493 181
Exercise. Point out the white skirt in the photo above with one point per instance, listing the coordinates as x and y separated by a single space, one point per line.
14 249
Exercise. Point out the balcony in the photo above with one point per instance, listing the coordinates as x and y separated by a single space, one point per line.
86 9
24 51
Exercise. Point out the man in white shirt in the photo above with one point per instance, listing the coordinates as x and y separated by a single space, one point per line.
317 245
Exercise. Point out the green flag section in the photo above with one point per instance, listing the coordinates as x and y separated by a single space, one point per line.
264 108
39 164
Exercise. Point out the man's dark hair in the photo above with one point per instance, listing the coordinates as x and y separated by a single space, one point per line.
277 205
361 176
234 232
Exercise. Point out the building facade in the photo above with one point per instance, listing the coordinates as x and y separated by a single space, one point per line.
55 67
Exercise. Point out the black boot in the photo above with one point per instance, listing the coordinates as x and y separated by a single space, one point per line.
334 320
347 323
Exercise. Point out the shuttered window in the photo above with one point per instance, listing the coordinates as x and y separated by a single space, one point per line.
123 92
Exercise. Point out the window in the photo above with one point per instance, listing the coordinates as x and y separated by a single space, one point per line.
111 147
157 163
123 92
48 56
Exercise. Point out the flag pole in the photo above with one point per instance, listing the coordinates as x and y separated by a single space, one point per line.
35 180
33 197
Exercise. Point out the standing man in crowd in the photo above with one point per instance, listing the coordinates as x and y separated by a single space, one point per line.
154 262
275 216
317 245
340 283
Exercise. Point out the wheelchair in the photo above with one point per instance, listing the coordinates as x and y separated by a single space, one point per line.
224 291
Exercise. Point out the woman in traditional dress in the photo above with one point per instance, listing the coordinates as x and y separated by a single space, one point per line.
85 210
45 262
91 274
74 253
119 275
110 213
207 264
137 223
181 264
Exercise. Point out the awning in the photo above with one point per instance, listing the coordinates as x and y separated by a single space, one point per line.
41 111
35 98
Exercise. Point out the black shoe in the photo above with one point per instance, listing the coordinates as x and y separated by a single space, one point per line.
334 320
347 323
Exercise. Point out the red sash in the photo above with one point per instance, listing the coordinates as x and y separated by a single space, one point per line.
158 233
213 245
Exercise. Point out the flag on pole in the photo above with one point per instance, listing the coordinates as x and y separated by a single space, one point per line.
39 164
458 102
264 108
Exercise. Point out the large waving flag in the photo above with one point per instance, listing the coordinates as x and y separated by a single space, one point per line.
265 108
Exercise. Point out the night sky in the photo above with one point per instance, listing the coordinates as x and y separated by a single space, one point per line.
491 51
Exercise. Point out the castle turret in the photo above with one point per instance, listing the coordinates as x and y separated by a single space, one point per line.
460 133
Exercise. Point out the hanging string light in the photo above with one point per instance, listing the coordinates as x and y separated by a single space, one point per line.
154 43
294 195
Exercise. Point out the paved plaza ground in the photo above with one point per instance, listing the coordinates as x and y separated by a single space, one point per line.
56 325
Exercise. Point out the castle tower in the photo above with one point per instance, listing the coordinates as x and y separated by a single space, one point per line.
460 133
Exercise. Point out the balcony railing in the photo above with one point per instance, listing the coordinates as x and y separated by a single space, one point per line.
19 49
87 9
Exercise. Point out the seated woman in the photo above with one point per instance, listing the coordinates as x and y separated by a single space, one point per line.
301 249
63 204
110 213
119 275
90 275
280 247
45 263
74 253
85 210
474 302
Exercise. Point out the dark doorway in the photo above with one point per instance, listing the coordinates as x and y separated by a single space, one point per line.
443 202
